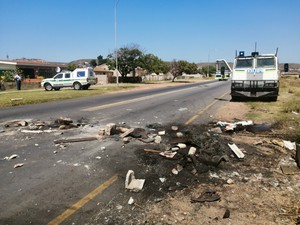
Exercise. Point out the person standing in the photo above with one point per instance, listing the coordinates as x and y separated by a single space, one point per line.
18 78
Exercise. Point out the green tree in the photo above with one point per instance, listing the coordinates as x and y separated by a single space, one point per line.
152 64
182 66
7 76
101 60
93 63
208 70
71 67
129 58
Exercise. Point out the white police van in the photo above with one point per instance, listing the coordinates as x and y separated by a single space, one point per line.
80 78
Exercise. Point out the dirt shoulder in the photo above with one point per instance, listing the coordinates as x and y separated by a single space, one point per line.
252 190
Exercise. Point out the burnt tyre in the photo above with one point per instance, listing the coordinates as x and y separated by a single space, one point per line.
48 87
77 86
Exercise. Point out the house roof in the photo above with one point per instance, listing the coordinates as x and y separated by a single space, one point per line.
33 62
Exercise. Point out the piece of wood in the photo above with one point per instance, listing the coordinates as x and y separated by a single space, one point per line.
236 151
127 133
70 140
152 150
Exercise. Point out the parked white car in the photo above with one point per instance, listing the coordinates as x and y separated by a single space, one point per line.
80 78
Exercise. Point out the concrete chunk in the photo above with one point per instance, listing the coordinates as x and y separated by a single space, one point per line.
236 151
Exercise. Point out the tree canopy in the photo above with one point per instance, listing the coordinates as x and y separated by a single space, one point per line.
152 64
177 68
129 58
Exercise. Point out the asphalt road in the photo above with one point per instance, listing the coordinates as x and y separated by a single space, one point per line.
76 184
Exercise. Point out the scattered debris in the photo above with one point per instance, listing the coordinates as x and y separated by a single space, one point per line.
110 129
132 183
174 128
278 143
233 126
175 171
230 181
32 131
289 145
63 121
152 150
162 179
130 201
226 214
181 145
162 133
129 131
289 170
179 134
157 139
207 195
18 165
139 133
216 130
11 157
192 151
168 154
236 151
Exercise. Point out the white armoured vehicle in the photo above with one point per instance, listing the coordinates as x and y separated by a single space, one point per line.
255 76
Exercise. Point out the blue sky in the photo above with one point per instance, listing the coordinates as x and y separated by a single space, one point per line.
192 30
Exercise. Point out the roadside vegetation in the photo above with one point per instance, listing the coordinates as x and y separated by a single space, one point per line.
15 98
284 114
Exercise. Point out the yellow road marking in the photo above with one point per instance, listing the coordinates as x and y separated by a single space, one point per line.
59 219
132 100
203 110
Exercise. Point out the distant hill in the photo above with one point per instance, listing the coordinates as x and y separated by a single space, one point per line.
80 61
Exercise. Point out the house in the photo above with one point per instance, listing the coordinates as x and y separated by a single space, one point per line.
103 74
32 68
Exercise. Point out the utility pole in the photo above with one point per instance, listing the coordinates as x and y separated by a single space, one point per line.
116 46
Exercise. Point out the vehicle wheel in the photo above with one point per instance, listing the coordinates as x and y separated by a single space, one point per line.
48 87
56 89
77 86
235 98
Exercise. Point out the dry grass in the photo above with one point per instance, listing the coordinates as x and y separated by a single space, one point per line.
283 114
13 98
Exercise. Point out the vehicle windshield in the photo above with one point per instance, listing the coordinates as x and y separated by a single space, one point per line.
244 63
266 62
58 76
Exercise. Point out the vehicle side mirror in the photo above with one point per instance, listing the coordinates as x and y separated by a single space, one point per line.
223 70
286 67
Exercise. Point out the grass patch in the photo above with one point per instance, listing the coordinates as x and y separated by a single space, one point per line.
13 98
283 114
